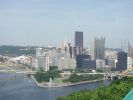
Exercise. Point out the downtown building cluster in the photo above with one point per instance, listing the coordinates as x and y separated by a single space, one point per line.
97 57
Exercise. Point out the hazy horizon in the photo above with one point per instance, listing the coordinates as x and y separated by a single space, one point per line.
44 22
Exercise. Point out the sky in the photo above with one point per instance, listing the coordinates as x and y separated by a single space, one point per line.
49 22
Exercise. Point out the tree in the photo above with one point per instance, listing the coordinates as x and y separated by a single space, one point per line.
117 90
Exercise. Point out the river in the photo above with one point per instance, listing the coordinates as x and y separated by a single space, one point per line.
20 87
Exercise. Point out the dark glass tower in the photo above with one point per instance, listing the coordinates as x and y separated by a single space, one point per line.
78 39
121 61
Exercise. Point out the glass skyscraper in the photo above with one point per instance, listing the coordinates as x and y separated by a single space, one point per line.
78 39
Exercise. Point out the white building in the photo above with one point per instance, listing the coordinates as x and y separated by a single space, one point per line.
125 45
129 62
91 50
63 56
63 49
43 62
100 64
66 63
110 54
39 52
21 59
34 63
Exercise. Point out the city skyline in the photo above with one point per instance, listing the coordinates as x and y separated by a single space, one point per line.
44 22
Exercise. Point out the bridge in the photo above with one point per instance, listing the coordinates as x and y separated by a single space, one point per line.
29 72
106 75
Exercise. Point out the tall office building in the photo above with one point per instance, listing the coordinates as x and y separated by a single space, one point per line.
66 63
78 39
125 45
130 52
89 64
99 48
43 62
78 45
39 52
80 58
91 50
121 61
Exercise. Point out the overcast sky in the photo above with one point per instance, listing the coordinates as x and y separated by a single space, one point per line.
44 22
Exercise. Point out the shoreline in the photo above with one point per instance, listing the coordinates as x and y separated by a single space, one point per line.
45 85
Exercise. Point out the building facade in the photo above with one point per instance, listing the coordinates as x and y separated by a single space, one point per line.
43 62
39 52
121 61
129 62
80 58
66 63
100 64
78 39
99 48
89 64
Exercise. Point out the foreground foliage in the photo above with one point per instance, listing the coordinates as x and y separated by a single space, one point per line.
115 91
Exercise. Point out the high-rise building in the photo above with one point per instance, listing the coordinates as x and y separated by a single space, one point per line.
39 52
91 50
76 51
121 61
111 62
66 63
43 62
99 48
125 45
130 51
78 45
129 62
100 64
78 39
88 64
64 49
80 58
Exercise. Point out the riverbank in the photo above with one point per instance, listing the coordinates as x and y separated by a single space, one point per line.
46 84
117 90
25 87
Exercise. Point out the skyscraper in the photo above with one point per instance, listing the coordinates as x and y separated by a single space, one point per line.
78 45
78 39
39 52
80 58
121 61
43 62
125 45
99 48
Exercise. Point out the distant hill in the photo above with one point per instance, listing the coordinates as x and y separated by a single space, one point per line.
113 49
8 50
